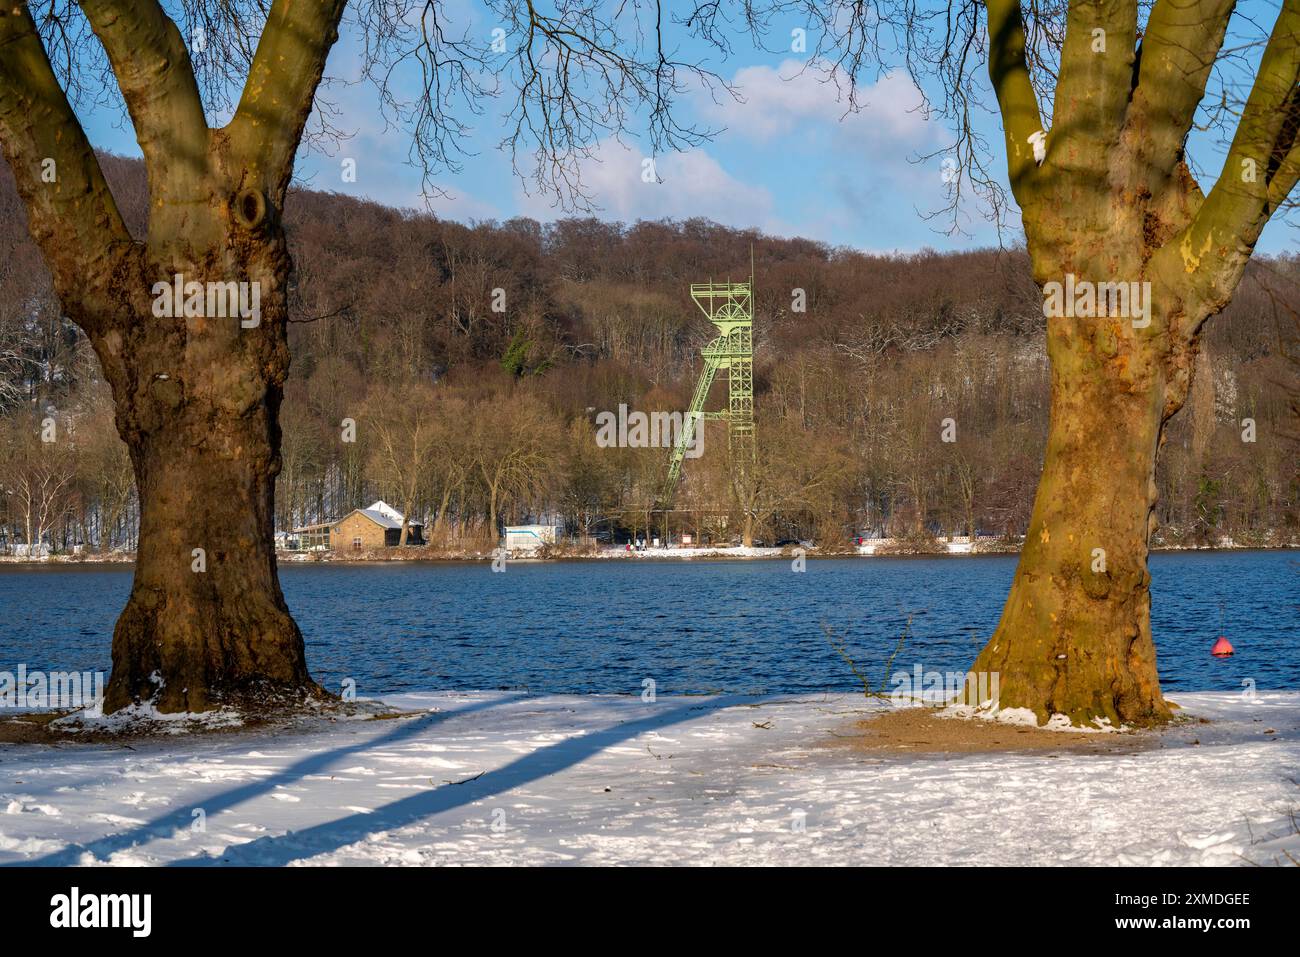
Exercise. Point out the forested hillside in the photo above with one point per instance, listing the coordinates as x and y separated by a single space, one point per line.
473 361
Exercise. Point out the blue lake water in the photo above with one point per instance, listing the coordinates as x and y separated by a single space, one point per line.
740 626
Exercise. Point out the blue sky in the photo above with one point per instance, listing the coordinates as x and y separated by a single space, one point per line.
788 159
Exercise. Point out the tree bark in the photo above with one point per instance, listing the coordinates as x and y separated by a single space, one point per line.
207 629
1075 634
197 395
1107 197
441 517
198 402
408 506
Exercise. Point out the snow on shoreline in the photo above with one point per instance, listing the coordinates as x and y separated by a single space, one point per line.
503 778
874 548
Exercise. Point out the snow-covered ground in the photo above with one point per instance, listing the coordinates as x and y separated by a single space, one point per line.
870 546
687 551
501 778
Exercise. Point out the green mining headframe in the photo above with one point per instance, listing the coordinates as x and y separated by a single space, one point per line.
730 307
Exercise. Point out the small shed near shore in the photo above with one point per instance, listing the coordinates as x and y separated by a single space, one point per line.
378 525
529 538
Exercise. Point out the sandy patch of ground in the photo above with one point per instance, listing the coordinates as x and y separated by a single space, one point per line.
923 731
27 728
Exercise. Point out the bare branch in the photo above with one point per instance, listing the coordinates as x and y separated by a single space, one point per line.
1093 86
1009 73
71 213
1182 42
281 88
1258 174
152 66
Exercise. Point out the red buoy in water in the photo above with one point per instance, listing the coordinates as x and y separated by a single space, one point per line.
1222 648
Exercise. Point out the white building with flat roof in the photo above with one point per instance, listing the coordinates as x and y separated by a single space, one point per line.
529 538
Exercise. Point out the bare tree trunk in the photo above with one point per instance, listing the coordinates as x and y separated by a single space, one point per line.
197 392
206 624
407 507
206 483
1108 200
1075 635
441 517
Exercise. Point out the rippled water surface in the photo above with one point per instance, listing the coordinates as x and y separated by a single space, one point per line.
691 626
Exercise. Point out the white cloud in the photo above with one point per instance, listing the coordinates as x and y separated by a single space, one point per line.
778 101
692 183
792 161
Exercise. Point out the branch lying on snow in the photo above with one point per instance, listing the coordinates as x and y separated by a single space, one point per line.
1250 832
657 757
464 780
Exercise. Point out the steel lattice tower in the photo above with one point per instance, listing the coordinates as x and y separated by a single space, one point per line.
730 307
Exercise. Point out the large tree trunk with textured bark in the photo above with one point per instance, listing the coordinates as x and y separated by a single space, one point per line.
197 400
206 624
197 377
1075 636
1107 198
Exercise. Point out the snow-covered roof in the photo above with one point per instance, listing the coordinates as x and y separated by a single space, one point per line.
383 508
383 514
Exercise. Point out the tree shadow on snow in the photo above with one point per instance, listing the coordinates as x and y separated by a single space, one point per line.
179 819
332 835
